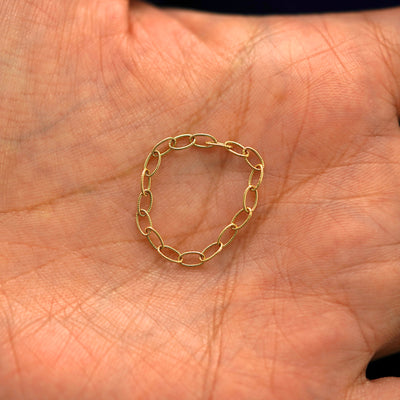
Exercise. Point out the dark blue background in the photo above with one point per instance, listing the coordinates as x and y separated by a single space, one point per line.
278 6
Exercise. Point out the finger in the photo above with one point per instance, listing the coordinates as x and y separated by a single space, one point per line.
382 389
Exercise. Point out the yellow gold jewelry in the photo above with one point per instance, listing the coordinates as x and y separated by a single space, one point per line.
239 220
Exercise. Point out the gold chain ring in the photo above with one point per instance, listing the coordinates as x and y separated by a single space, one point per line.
239 220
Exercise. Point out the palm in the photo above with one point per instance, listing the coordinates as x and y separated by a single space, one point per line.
295 307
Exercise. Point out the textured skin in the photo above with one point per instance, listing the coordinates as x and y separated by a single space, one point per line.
306 295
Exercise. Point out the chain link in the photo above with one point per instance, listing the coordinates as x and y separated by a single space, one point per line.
145 177
149 230
260 169
145 193
230 145
240 219
181 138
151 156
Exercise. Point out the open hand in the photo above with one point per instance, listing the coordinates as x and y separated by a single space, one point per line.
307 293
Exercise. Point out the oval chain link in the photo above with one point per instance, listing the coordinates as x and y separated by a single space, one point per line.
178 260
219 245
239 220
196 264
141 214
247 211
246 192
149 230
191 139
145 193
260 170
152 155
230 145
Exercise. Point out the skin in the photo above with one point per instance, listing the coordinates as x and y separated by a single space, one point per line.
307 293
